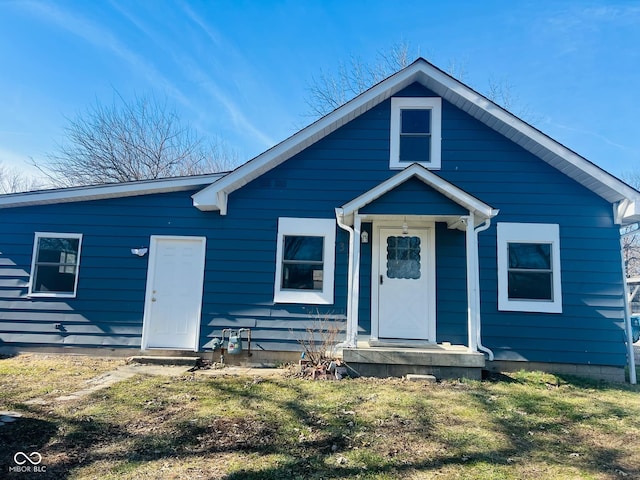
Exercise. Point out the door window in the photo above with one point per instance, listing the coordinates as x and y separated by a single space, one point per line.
403 257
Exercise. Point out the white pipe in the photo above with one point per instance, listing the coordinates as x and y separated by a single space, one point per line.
627 320
349 334
471 283
355 279
481 228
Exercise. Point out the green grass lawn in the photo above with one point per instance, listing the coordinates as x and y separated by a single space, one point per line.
520 426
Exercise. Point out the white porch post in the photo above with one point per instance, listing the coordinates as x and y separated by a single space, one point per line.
472 282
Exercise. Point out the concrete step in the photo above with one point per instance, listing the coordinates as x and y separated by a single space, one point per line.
448 357
159 360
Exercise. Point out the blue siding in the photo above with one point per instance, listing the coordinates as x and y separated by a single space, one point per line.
413 197
108 310
451 286
241 248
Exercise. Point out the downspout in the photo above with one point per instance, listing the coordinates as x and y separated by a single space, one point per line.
627 314
481 228
349 340
472 284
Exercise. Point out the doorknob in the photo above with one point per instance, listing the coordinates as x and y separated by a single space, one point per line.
153 299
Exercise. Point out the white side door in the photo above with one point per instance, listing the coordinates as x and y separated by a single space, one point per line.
406 284
173 301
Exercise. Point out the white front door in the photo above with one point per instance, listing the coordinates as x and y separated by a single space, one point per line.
405 284
173 301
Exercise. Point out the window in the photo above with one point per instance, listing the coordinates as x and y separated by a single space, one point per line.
305 260
403 257
54 267
529 268
415 132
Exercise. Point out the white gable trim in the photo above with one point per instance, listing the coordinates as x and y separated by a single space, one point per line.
480 209
115 190
214 197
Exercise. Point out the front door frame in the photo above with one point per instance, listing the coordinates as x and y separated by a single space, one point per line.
429 228
151 270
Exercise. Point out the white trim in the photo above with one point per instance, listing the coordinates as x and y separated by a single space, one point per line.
472 282
34 254
416 103
353 278
98 192
151 271
459 196
459 95
320 227
429 229
528 233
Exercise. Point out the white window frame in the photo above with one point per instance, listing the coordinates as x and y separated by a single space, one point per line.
316 227
548 233
416 103
34 256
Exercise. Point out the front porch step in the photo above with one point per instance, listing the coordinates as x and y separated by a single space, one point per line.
440 361
189 361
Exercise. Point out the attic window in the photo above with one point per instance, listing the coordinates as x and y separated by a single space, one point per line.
415 132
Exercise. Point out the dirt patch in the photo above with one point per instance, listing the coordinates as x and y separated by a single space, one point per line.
227 434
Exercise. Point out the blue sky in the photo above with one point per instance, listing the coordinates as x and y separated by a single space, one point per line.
239 70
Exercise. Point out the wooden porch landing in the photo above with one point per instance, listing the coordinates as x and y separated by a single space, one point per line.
389 360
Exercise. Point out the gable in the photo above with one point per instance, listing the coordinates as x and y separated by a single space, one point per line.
625 199
413 197
429 191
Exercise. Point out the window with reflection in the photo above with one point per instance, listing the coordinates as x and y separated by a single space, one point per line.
305 261
530 274
56 258
302 262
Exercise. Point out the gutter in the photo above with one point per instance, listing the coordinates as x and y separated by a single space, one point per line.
481 228
350 334
627 314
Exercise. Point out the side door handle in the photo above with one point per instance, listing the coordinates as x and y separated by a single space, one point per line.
381 279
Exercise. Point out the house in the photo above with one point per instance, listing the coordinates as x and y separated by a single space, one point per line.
440 232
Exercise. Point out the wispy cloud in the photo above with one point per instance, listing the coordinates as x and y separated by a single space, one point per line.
190 67
591 133
104 39
212 88
210 32
579 29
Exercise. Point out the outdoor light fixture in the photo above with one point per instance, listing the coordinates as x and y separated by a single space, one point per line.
405 228
141 252
364 237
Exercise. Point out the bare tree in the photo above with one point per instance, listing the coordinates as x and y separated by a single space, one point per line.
631 235
326 92
127 141
13 180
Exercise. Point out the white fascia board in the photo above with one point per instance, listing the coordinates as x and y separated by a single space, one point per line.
209 197
462 198
627 212
97 192
557 155
531 139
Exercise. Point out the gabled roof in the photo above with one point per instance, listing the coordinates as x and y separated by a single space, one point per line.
110 190
624 197
481 210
